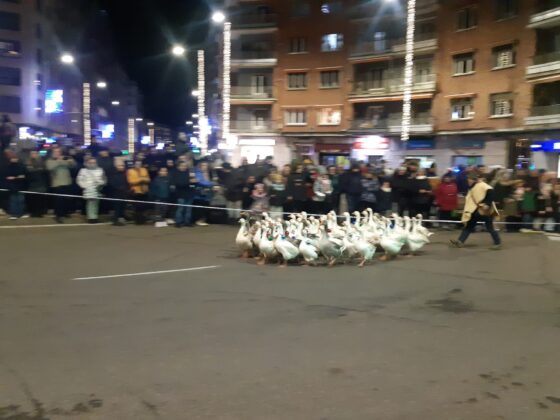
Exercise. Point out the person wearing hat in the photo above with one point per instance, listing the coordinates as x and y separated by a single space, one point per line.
479 207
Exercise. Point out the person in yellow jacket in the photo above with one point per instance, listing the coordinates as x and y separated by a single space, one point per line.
139 182
479 207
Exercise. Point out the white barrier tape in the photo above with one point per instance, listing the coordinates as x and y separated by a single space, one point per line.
245 211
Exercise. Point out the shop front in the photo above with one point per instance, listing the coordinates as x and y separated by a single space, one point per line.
253 148
371 149
546 155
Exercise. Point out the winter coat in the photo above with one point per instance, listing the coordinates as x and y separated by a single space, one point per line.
414 187
233 182
296 187
260 201
322 189
37 175
16 170
138 180
91 181
369 190
160 188
59 170
384 201
398 188
446 196
181 182
352 183
277 194
117 184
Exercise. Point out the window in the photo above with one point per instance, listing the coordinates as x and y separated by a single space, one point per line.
39 56
297 80
505 9
329 79
300 8
10 21
463 64
329 116
332 42
10 104
298 45
379 41
38 31
10 76
503 56
466 18
296 117
501 104
461 109
10 48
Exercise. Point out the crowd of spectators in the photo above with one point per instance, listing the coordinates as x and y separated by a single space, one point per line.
152 179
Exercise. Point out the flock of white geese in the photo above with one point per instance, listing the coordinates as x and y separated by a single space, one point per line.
309 238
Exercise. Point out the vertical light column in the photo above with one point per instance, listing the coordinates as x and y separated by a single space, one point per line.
152 133
131 134
408 70
202 120
226 88
86 112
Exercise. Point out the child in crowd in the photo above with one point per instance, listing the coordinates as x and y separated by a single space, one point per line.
91 178
384 203
160 191
322 190
277 194
260 199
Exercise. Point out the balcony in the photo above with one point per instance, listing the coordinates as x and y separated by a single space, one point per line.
544 65
419 124
393 86
547 16
257 58
542 115
257 93
254 21
423 43
252 126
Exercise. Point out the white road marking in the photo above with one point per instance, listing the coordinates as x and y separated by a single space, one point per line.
209 267
49 226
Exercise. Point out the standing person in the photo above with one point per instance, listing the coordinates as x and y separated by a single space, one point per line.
7 133
277 194
420 194
15 174
528 207
247 191
322 191
37 181
94 147
446 199
139 182
479 207
384 202
183 185
353 188
205 184
118 188
335 184
233 183
399 183
296 190
59 168
370 189
91 179
260 199
160 191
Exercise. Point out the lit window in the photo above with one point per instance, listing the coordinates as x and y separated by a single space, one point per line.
296 117
461 109
501 104
463 64
332 42
329 116
503 56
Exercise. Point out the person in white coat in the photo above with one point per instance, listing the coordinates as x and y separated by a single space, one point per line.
91 178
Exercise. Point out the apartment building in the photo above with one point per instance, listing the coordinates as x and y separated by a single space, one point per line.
324 79
23 63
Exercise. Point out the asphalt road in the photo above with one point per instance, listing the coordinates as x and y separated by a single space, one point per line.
452 334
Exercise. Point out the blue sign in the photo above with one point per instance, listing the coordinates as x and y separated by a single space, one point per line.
420 144
551 146
54 101
466 143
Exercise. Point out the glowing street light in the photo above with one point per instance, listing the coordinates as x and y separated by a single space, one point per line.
101 84
218 17
67 58
178 50
189 123
150 124
195 115
195 93
115 103
139 119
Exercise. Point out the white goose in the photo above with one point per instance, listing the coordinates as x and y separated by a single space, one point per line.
243 239
365 249
416 240
331 248
266 246
285 248
308 250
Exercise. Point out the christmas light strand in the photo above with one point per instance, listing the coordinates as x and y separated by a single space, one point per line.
131 134
202 121
226 88
86 105
408 70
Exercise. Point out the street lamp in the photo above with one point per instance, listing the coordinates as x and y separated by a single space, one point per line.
189 123
101 84
178 50
195 115
150 124
115 103
67 58
218 17
195 93
139 119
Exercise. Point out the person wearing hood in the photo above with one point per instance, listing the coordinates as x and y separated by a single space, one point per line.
479 207
91 179
446 196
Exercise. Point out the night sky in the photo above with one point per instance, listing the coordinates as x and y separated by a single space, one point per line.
143 32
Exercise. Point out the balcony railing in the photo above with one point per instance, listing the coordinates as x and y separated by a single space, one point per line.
547 58
254 20
254 92
252 125
392 122
253 55
393 85
387 45
541 111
